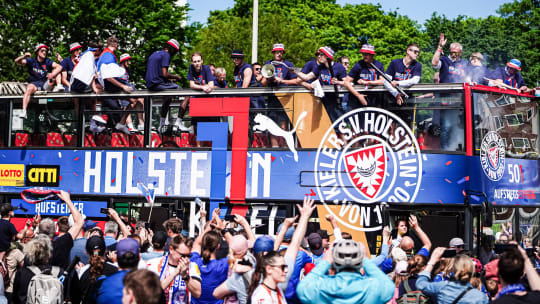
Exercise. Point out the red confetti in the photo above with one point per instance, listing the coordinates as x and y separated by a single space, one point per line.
464 194
76 158
166 193
448 163
494 203
75 173
133 156
311 193
60 177
308 153
440 202
113 180
32 155
447 180
466 178
273 158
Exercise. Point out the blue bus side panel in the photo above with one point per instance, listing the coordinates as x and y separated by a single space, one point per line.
270 175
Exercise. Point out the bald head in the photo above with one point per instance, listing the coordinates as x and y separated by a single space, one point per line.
407 244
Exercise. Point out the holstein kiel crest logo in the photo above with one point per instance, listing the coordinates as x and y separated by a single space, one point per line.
367 156
492 155
367 169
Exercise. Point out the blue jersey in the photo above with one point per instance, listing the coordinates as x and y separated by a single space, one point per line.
67 66
38 70
283 72
362 70
515 81
221 85
398 71
310 66
108 57
239 75
202 77
323 73
452 71
156 61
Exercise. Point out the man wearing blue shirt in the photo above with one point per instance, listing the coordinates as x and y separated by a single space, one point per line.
404 72
452 68
510 75
158 77
42 73
363 74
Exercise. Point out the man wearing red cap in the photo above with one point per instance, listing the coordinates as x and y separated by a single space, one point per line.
42 73
510 75
158 77
362 73
69 63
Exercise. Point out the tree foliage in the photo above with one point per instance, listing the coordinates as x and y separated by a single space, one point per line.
141 27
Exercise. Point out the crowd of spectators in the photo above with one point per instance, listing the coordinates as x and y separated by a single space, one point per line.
227 263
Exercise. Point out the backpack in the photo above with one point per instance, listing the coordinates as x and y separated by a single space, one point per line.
45 287
412 296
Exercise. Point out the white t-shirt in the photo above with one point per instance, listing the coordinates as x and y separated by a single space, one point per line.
265 295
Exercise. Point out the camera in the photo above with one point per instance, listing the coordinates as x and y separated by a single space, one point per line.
104 211
449 253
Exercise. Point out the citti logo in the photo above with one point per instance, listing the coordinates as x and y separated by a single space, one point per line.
375 158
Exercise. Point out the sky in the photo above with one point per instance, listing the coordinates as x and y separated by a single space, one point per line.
418 10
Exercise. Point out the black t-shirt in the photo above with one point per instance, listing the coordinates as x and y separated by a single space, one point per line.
529 298
61 249
7 231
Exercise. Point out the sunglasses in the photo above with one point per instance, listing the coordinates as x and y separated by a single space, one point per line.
283 267
415 51
257 69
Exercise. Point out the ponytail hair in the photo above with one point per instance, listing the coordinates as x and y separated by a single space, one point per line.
210 243
97 264
416 264
263 260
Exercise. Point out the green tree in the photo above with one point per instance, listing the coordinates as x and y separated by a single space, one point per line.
141 27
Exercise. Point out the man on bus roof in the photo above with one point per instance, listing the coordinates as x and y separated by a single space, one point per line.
510 75
404 72
363 74
452 68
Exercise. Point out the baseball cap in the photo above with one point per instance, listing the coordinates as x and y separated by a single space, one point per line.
89 224
124 57
278 47
263 243
40 46
288 234
327 51
456 242
127 245
238 244
401 268
74 46
515 64
315 243
174 44
237 54
95 243
367 48
398 254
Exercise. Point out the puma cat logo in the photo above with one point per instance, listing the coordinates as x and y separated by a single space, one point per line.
264 123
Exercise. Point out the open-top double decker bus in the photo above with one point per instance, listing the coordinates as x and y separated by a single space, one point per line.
451 154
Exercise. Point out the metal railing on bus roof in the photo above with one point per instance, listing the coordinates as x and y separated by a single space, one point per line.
251 91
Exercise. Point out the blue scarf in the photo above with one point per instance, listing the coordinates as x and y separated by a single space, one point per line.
511 289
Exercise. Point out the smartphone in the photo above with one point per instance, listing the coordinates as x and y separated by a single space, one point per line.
500 248
530 252
147 225
229 218
449 253
104 210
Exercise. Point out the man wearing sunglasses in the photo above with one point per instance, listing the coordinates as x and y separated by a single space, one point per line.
510 75
404 72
